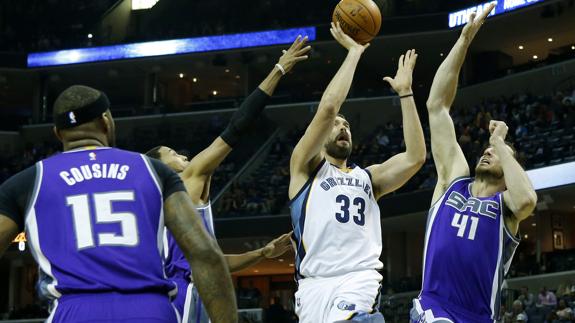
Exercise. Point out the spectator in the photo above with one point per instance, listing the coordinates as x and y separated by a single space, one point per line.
276 312
547 298
519 314
526 298
564 313
538 313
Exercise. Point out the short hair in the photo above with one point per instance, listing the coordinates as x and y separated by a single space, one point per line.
75 97
154 153
342 116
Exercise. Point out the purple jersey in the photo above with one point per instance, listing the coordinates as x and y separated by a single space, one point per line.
468 250
95 223
176 264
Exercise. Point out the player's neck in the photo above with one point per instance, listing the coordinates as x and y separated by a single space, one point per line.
484 187
340 163
83 143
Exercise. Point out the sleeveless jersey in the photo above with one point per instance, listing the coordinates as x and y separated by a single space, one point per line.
176 264
468 250
90 221
336 223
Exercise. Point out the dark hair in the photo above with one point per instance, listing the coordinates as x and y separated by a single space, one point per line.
342 116
154 152
74 97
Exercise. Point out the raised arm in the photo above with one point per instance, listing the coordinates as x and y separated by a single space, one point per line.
307 153
520 197
447 155
273 249
197 175
209 268
395 172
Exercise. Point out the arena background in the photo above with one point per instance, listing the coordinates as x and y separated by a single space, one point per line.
521 69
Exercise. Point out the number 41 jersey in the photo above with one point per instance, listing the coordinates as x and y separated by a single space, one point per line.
336 222
468 250
95 223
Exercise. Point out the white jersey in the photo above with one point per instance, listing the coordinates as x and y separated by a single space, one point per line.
336 223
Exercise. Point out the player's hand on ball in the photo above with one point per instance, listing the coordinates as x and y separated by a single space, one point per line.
475 22
278 246
401 83
498 130
296 53
344 39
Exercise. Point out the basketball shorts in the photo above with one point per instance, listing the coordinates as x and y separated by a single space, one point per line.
188 303
429 310
113 308
353 296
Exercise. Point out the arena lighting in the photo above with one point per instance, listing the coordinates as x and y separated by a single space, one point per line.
550 39
181 75
552 176
169 47
143 4
194 80
460 18
535 57
520 47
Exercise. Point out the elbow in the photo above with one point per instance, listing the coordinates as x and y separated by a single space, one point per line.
210 252
329 108
434 104
530 201
418 158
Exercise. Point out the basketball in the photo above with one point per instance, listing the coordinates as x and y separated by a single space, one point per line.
360 19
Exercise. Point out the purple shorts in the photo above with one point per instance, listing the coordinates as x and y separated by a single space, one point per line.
428 310
188 303
113 307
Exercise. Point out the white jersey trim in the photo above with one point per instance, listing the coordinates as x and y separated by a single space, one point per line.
495 285
34 237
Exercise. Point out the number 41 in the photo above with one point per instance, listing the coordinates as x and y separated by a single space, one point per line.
460 222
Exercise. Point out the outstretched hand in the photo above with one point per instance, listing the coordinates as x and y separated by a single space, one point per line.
475 22
278 246
296 53
401 83
344 39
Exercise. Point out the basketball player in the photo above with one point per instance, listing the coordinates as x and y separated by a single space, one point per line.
197 174
473 222
94 217
334 208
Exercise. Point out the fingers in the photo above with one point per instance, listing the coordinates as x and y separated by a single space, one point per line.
388 79
471 18
366 45
485 12
300 58
400 62
294 44
412 58
303 51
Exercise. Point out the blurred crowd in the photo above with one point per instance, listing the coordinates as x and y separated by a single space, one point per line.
540 127
546 306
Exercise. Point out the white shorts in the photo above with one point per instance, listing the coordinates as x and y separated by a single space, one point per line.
331 299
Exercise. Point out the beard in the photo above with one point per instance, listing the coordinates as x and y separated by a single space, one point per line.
488 173
338 152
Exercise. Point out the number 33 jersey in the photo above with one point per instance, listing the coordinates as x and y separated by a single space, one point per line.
336 223
468 250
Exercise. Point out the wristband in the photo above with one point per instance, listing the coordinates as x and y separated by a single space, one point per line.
281 68
406 96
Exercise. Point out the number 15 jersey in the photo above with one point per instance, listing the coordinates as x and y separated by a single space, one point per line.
336 223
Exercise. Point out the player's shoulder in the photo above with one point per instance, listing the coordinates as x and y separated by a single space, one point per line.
24 177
